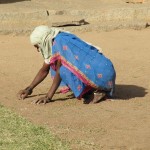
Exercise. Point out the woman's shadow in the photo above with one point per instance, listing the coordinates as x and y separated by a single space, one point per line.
122 92
70 95
11 1
126 92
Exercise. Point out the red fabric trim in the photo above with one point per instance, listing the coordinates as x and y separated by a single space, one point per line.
72 68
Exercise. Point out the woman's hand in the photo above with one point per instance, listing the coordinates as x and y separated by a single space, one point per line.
22 94
43 100
41 75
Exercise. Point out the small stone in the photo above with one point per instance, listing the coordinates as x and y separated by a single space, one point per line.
135 1
70 23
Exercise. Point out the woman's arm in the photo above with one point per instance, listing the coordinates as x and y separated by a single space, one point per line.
56 82
54 87
41 75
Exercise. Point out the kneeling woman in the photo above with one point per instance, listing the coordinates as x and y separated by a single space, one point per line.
79 65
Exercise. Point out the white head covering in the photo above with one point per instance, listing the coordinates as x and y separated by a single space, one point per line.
43 36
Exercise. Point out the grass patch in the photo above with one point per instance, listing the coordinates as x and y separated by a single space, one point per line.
16 133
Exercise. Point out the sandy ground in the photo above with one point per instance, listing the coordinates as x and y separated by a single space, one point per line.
21 16
27 5
122 124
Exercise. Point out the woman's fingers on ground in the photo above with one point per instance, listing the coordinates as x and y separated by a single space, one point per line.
39 101
42 100
19 94
36 102
22 95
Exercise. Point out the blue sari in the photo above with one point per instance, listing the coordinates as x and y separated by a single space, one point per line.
83 67
63 87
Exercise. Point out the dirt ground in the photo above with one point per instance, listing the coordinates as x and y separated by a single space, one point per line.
122 124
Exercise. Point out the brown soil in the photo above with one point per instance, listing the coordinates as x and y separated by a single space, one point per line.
120 124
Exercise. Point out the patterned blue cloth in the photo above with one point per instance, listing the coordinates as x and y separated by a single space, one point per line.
82 65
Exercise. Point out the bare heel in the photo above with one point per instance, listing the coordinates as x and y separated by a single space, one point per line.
98 97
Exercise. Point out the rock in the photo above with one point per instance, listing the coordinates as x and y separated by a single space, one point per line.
135 1
69 23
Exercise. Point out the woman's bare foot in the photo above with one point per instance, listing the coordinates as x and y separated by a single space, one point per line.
98 97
